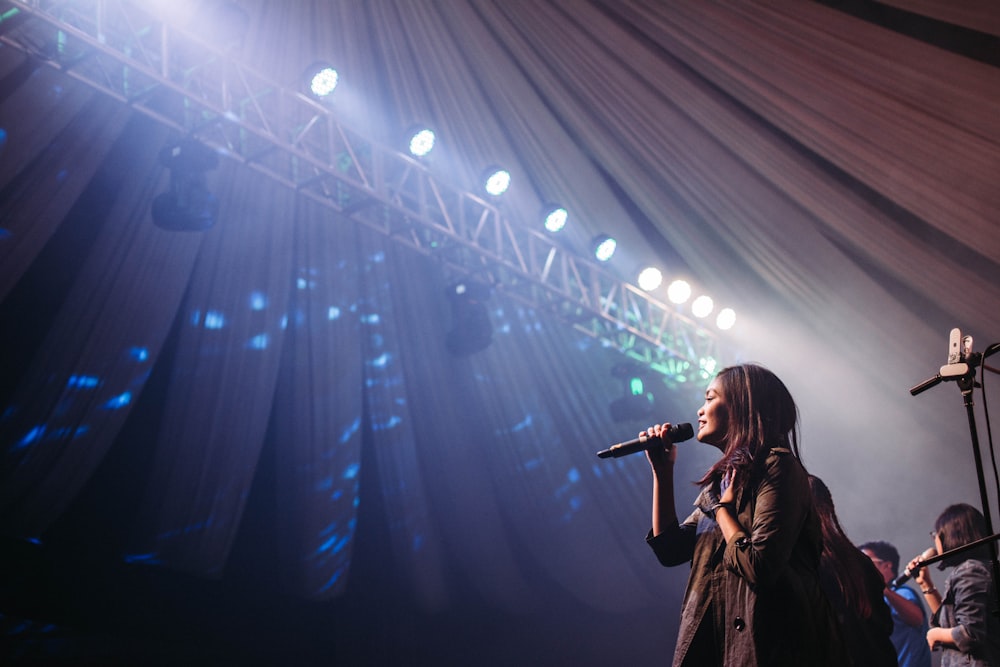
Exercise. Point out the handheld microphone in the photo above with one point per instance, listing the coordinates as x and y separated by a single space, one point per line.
906 576
676 433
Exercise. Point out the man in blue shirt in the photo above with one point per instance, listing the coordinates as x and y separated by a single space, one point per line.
909 630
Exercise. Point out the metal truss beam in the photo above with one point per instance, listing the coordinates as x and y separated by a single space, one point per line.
194 87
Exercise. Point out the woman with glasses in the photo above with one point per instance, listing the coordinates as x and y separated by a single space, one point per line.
964 624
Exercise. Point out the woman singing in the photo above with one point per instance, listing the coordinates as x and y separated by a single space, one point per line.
753 596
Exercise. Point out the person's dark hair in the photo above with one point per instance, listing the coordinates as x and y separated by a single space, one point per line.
958 525
883 551
840 556
762 415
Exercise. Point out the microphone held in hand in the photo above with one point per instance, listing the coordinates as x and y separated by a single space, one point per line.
907 575
676 433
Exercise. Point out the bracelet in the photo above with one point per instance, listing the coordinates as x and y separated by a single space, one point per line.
929 591
729 506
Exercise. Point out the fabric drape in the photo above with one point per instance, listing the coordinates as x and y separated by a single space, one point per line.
832 180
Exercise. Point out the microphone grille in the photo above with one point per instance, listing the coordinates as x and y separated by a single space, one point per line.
683 432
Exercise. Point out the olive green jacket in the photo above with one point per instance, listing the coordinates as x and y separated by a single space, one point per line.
762 589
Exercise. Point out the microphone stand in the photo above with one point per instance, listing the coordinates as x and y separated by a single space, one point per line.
948 554
964 373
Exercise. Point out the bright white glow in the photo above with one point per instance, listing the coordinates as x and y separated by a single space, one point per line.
498 182
605 249
173 12
650 278
679 291
421 143
556 219
726 319
323 82
702 306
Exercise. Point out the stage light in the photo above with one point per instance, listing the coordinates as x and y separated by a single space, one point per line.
650 278
496 180
726 319
471 330
555 217
702 306
321 79
603 247
679 292
187 205
421 141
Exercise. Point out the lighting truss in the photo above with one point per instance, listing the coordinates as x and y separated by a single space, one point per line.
192 86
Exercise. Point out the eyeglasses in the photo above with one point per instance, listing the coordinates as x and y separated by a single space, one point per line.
878 561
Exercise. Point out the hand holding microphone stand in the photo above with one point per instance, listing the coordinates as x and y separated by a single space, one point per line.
909 573
961 367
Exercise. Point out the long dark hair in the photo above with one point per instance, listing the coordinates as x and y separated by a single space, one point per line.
762 415
957 526
840 556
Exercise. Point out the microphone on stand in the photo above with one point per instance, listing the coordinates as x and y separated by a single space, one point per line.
906 576
676 433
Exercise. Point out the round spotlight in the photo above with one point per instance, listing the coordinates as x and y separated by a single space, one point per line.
650 278
604 247
421 141
321 78
496 181
679 292
555 217
702 306
726 319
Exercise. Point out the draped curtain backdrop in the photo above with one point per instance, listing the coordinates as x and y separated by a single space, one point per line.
275 392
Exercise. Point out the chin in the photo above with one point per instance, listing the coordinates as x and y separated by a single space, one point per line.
709 440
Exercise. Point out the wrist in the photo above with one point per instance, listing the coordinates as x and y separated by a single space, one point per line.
729 506
664 470
930 590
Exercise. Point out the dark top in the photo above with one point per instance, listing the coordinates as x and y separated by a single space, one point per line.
756 600
966 607
868 640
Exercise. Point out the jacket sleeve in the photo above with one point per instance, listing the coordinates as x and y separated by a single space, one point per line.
971 591
776 517
675 545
